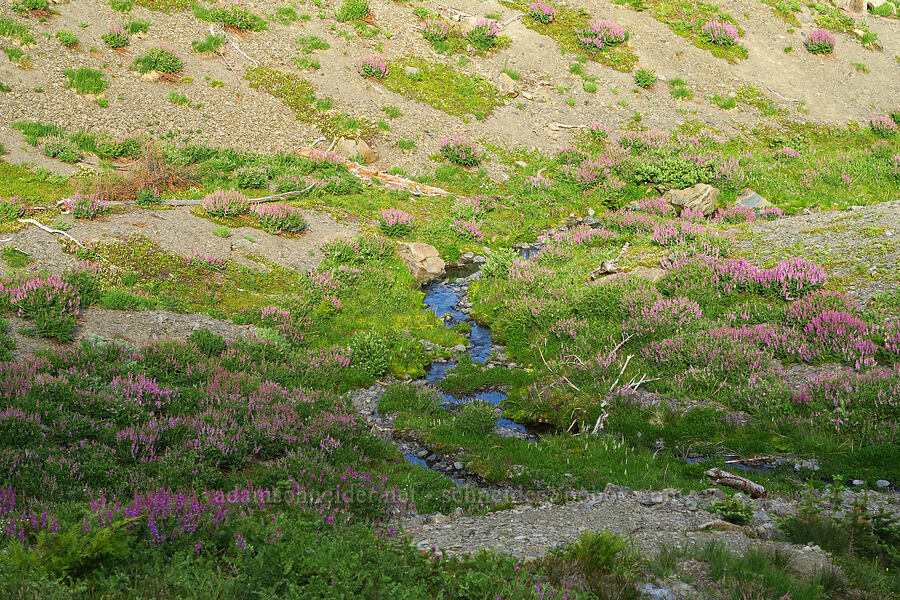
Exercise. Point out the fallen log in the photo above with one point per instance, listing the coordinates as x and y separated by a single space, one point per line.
720 477
609 267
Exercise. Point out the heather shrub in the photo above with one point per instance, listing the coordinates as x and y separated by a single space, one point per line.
372 66
50 301
159 59
644 78
434 30
883 126
225 203
819 41
460 151
395 222
484 34
279 218
598 131
87 206
600 34
733 510
116 37
542 12
720 33
352 10
404 397
895 116
250 178
147 196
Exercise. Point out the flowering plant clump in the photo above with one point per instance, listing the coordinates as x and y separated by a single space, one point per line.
395 222
53 303
600 34
205 261
372 66
735 214
598 131
87 206
771 213
484 34
225 203
460 151
819 41
883 126
720 33
434 30
786 152
538 183
654 205
11 208
279 218
894 164
542 12
147 196
643 140
470 230
116 38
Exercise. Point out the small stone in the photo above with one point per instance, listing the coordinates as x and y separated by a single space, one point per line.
651 499
459 348
751 199
411 71
458 466
882 483
431 458
507 86
857 482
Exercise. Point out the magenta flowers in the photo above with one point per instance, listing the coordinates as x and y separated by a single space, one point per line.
225 203
87 206
434 30
280 218
720 33
883 126
542 12
819 41
395 222
600 34
372 67
460 151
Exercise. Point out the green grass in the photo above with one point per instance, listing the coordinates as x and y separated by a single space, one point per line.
85 81
725 103
406 145
67 38
20 32
34 186
298 95
310 43
351 10
620 57
687 17
443 87
211 44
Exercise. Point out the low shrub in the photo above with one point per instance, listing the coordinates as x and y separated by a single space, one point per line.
460 151
720 33
231 13
159 59
116 37
542 12
87 206
644 78
484 34
733 510
476 417
11 209
371 353
67 38
225 203
600 34
212 43
883 126
434 30
279 218
395 222
61 149
372 66
819 41
209 343
147 196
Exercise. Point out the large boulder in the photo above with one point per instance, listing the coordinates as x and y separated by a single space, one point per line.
422 260
355 150
701 197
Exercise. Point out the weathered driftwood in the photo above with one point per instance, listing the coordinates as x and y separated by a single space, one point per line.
608 267
364 172
49 230
752 489
249 200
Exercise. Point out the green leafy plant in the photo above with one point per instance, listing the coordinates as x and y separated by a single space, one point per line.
161 60
211 44
644 78
67 38
352 10
733 510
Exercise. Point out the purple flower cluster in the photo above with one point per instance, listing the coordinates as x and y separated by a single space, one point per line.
819 41
280 218
470 229
538 183
39 295
786 152
86 206
205 261
372 66
396 222
225 203
720 33
643 140
664 315
654 205
735 214
460 151
600 34
883 126
117 37
542 12
434 30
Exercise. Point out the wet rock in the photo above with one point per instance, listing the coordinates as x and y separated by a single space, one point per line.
701 197
422 260
857 482
459 348
751 199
